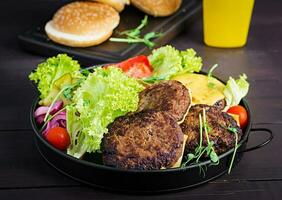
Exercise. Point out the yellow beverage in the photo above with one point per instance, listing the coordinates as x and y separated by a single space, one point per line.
226 22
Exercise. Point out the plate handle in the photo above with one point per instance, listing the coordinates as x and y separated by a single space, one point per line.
265 130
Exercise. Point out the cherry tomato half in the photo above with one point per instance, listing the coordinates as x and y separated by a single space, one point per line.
58 137
241 112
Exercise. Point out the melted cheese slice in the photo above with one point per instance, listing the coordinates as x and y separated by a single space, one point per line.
178 163
204 90
236 118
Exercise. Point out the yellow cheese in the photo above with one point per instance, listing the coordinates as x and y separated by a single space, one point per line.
236 117
204 90
178 163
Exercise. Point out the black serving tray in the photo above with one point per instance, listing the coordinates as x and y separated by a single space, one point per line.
36 41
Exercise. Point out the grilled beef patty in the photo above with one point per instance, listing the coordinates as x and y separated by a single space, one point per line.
220 104
218 123
145 140
171 97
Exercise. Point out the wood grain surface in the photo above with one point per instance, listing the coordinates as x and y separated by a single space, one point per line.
25 175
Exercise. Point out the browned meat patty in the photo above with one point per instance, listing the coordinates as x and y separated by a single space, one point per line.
220 104
171 97
218 122
145 140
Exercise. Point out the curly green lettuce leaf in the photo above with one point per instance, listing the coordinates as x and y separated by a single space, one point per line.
166 61
53 74
190 62
74 129
235 90
102 97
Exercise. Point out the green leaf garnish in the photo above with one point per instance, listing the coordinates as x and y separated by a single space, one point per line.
234 131
210 83
68 93
53 102
85 72
153 79
134 35
212 69
201 150
136 32
50 117
214 157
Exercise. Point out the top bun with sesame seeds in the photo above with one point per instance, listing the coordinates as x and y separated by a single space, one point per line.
116 4
157 8
82 24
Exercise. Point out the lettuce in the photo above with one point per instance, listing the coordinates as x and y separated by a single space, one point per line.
48 76
102 97
168 61
235 90
74 128
190 62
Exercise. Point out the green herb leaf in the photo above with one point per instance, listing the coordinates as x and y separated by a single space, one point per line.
200 150
153 79
234 152
134 35
190 157
212 69
53 102
68 93
85 72
214 157
136 32
232 129
211 85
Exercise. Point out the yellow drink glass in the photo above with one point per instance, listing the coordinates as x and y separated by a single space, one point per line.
226 22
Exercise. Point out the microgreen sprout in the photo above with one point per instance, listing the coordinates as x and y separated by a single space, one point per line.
201 150
54 100
66 92
134 35
85 72
153 79
50 117
212 69
136 31
210 83
234 131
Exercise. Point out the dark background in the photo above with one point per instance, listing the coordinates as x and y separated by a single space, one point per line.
25 175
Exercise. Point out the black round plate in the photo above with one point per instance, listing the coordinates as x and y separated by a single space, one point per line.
91 171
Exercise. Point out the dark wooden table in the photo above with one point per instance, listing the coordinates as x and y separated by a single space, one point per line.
25 175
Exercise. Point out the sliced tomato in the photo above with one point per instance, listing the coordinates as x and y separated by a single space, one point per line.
241 112
58 137
139 70
137 67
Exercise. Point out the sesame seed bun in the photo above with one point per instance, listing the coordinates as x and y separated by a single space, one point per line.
157 8
116 4
82 24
